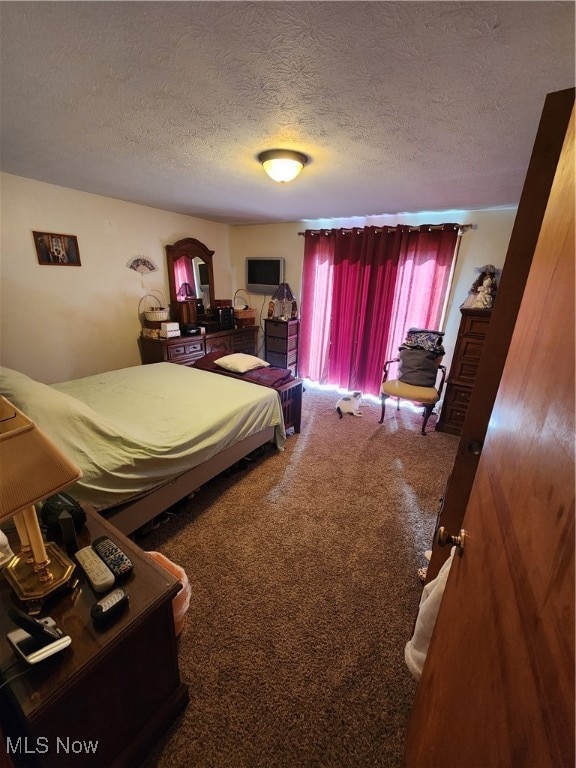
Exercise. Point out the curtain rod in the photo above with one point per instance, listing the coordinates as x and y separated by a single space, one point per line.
421 228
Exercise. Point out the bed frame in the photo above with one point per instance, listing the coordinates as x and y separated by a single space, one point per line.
291 400
132 515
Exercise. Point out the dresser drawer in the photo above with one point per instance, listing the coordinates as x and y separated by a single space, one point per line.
456 404
245 342
281 329
218 344
455 416
277 359
460 398
470 349
464 371
454 409
185 349
476 325
282 345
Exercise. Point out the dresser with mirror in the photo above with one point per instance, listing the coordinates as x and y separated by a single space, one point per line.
191 281
194 307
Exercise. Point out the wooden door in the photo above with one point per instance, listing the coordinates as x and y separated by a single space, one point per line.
498 684
526 231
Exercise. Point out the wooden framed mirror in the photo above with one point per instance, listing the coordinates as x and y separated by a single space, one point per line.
190 278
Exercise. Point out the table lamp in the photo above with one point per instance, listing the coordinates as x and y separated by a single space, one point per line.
31 469
283 294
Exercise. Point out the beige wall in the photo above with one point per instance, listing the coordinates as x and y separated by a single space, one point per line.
59 323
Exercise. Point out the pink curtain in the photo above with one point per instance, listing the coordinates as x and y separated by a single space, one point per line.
426 258
184 273
361 290
316 305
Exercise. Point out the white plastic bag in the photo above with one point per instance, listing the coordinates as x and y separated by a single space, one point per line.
181 602
417 648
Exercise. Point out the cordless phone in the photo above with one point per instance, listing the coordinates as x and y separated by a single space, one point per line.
34 627
37 639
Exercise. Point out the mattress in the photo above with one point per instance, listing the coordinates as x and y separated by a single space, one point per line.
134 429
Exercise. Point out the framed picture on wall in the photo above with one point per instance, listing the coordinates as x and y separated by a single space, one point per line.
59 250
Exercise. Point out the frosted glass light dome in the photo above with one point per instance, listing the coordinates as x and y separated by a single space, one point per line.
283 164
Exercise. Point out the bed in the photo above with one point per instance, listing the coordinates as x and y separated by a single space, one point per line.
147 436
288 387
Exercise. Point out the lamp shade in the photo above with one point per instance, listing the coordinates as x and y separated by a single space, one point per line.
32 467
283 293
283 164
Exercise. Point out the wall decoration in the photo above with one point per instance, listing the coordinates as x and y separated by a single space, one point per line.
59 250
141 264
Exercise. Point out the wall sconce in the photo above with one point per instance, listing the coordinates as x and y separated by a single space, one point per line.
283 164
33 468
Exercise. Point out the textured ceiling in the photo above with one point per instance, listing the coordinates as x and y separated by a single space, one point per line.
402 106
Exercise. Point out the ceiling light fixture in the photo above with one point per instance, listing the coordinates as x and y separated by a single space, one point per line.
283 164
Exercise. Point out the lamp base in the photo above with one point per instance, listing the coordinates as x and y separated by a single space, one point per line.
32 587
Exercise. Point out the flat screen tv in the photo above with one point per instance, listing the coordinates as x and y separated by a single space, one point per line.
264 275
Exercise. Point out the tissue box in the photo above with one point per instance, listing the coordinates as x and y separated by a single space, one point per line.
169 330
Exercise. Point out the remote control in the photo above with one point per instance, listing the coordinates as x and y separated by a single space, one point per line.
38 630
99 575
112 555
109 606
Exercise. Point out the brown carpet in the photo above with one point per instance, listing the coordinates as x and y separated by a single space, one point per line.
303 569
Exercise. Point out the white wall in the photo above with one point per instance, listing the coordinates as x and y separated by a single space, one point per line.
59 323
64 322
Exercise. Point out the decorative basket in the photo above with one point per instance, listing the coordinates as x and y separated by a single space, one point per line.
157 315
244 317
154 314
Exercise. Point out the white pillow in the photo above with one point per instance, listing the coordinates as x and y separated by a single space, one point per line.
240 362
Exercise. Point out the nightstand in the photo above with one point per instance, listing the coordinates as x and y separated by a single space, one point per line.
281 343
105 699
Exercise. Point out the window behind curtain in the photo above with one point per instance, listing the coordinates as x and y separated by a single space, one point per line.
362 289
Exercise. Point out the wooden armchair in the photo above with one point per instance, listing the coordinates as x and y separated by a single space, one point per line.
425 396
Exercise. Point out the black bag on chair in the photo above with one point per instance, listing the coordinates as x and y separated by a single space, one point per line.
420 355
418 367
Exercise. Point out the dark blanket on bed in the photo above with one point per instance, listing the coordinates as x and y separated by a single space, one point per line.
269 376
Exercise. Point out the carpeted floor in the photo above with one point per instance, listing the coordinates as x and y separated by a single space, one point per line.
303 568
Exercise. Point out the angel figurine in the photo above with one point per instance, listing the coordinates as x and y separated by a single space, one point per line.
483 298
483 290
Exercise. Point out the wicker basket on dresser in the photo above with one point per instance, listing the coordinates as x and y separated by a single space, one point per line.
460 382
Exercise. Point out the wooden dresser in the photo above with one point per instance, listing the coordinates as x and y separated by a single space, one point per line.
106 699
184 350
460 382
